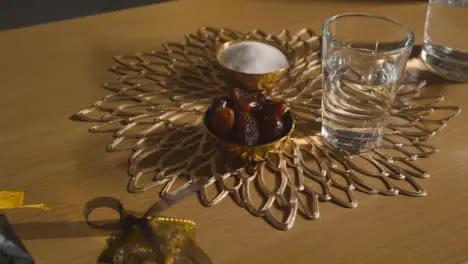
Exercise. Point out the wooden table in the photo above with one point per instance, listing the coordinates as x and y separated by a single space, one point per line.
49 72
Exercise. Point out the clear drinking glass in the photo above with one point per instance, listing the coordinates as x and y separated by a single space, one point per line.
364 58
445 48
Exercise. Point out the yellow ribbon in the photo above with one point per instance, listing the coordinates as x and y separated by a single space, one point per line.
11 200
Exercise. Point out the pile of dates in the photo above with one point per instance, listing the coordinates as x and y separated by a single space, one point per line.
247 118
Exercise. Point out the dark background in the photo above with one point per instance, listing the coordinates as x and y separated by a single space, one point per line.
22 13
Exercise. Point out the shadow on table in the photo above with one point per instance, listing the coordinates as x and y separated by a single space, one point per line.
46 230
351 2
22 13
417 70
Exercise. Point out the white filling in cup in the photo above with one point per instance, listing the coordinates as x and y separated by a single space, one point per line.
253 57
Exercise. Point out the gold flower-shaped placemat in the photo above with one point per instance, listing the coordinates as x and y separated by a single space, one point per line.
156 108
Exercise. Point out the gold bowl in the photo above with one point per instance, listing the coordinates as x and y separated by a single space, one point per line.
256 152
252 81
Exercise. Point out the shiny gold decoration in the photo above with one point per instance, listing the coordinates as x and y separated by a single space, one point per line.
148 237
252 82
11 200
130 246
156 109
258 152
176 232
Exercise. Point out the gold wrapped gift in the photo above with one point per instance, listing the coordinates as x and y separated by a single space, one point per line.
151 238
130 245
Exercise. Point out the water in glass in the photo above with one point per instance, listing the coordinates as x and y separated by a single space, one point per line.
445 48
355 105
361 75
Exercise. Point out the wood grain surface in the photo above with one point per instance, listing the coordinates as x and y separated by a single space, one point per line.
49 72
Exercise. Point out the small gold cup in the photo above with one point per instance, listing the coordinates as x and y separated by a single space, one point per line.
251 81
256 152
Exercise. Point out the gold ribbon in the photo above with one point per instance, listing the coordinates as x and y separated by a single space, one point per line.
166 237
11 200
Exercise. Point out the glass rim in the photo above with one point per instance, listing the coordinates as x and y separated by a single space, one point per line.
406 45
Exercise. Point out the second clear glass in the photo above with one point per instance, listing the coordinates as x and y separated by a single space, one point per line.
364 58
445 48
